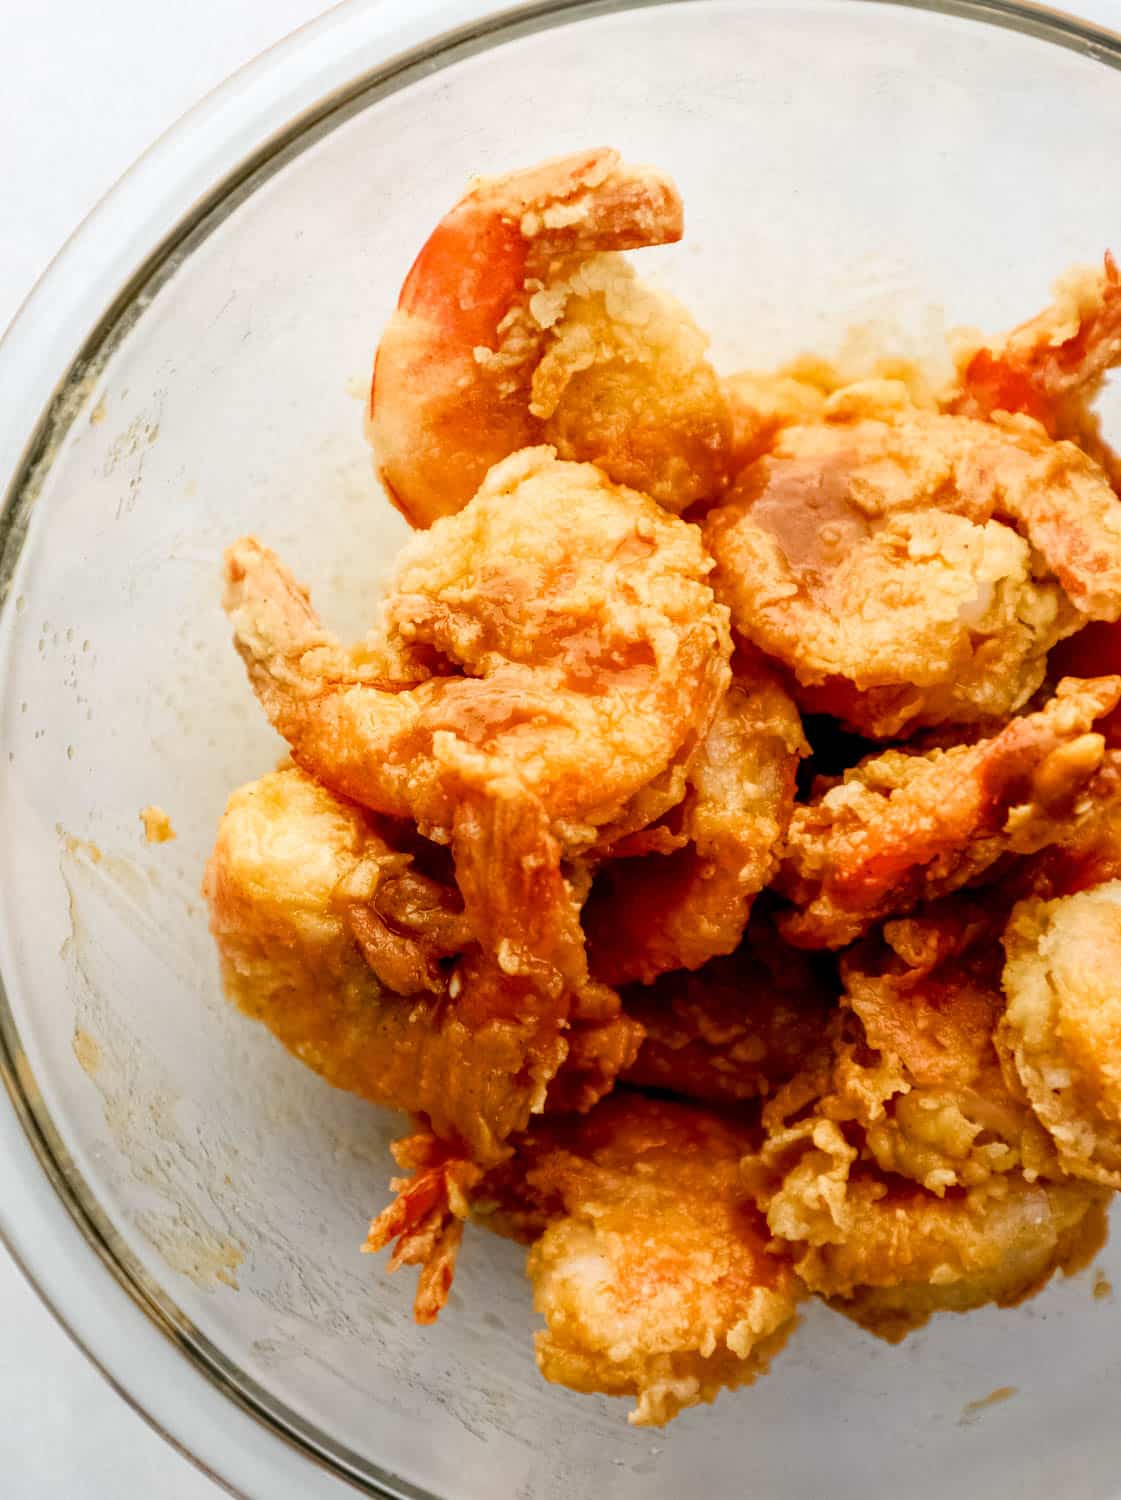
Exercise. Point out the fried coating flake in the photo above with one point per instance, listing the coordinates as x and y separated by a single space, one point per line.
904 826
1060 1038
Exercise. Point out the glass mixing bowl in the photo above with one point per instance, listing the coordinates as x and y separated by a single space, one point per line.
190 1199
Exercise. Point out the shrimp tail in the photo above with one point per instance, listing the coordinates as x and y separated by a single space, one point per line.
426 1218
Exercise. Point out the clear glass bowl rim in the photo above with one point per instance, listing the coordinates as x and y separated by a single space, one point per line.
84 303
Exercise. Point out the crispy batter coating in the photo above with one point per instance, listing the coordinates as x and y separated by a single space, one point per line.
679 892
737 1028
649 1263
519 323
920 1075
911 568
901 1170
295 883
762 403
889 1254
903 826
571 643
1060 1039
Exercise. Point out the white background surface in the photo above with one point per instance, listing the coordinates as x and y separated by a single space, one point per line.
86 89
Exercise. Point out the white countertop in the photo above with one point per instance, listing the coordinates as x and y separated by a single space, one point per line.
135 66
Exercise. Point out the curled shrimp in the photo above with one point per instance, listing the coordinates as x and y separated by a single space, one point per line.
678 893
912 568
519 323
900 1172
317 915
569 646
648 1261
904 827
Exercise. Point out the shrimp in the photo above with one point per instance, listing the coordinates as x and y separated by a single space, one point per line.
911 568
648 1261
903 826
570 649
889 1254
519 323
1060 1038
737 1028
1052 366
679 892
316 916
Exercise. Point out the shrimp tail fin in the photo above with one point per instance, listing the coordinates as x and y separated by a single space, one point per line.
425 1220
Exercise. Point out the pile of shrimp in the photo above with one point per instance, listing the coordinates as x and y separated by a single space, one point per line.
714 844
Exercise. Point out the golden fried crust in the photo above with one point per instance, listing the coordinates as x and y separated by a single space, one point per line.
903 826
623 382
1060 1039
568 632
912 568
734 1030
292 884
913 1256
514 328
889 1254
652 1273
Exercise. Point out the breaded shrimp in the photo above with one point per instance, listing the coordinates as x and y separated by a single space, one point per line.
573 649
903 826
911 568
514 329
679 892
1060 1039
649 1263
315 914
889 1254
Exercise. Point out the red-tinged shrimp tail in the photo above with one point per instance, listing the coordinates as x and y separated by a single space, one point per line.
426 1218
1042 367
